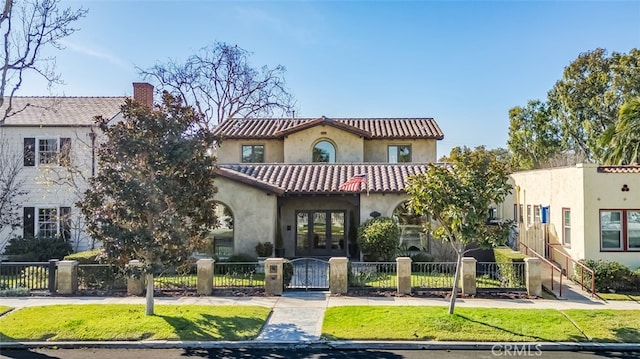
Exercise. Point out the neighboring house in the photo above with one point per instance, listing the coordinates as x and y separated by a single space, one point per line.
289 173
57 140
586 211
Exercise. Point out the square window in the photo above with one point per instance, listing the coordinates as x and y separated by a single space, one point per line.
47 222
48 151
399 153
252 153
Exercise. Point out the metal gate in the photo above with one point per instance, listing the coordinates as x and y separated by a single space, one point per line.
308 273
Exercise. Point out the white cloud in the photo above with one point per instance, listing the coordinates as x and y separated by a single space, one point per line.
113 59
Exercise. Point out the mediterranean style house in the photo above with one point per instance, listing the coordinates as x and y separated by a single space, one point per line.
585 211
305 185
53 141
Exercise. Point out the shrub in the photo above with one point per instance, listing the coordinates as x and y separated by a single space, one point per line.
39 249
610 276
86 257
264 249
287 273
506 258
14 292
379 238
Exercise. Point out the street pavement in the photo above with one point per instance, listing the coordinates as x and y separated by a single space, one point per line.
297 316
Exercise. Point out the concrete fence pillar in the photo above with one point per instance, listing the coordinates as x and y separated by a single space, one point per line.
533 275
469 276
273 276
403 267
338 275
67 277
135 286
205 268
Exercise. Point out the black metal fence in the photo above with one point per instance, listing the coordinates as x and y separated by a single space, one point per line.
34 276
380 275
101 277
238 275
504 275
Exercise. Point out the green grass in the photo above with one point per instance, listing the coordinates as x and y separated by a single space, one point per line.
129 322
4 309
480 324
622 326
619 296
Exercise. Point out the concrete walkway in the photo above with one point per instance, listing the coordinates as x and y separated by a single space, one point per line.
298 316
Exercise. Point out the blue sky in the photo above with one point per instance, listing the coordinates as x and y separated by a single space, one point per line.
464 63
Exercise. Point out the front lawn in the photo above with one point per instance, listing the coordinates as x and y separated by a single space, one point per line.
479 324
4 309
620 296
128 322
621 326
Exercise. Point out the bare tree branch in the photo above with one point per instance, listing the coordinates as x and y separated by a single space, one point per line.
38 24
11 186
219 83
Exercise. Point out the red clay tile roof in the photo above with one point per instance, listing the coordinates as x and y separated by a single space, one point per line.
375 128
321 178
61 111
619 169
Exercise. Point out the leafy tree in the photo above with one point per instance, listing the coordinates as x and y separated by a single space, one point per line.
220 83
622 141
29 27
379 237
533 136
586 101
458 197
152 198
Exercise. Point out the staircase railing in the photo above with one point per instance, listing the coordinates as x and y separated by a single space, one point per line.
583 268
553 267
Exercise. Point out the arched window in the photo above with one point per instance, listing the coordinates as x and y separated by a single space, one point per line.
412 232
324 151
222 236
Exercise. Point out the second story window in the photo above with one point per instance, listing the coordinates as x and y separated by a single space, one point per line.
252 153
399 153
46 151
324 151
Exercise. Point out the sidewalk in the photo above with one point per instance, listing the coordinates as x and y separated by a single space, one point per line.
297 318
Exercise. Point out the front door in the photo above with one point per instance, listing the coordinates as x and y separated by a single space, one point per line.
320 233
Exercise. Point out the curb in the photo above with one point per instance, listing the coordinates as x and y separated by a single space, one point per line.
523 347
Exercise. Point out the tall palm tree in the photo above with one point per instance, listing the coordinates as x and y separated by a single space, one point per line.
622 141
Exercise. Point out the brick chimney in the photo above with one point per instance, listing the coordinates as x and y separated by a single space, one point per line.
143 93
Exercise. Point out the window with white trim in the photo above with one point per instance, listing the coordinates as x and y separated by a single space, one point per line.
620 230
47 222
566 227
399 153
46 151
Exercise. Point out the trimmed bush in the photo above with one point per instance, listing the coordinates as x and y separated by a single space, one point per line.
507 272
39 249
610 276
379 238
86 257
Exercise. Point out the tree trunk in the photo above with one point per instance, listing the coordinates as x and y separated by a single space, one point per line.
454 291
149 297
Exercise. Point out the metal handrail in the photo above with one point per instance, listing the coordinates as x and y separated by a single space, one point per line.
551 264
583 267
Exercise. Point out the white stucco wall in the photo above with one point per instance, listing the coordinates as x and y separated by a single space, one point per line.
254 214
585 192
603 191
422 151
230 151
381 203
298 146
